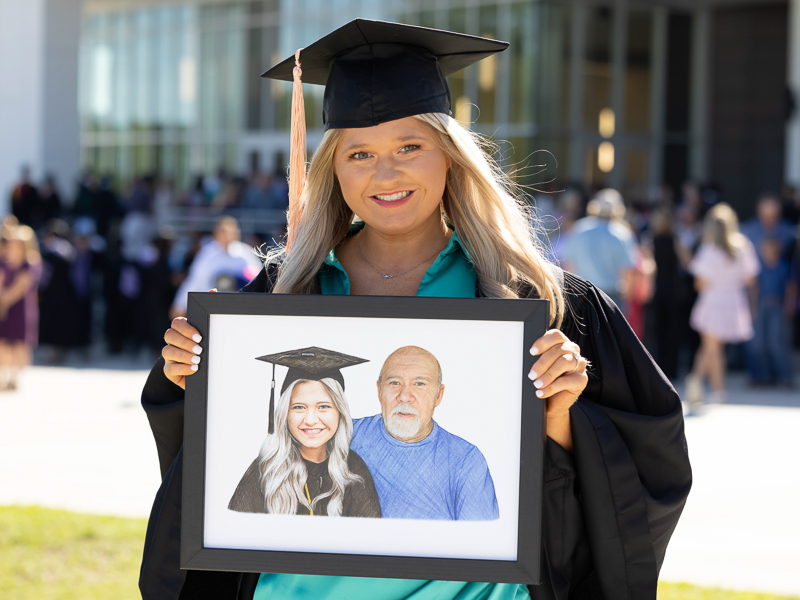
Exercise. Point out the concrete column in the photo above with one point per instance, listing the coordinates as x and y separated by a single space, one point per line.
39 124
792 165
658 84
700 90
619 49
576 90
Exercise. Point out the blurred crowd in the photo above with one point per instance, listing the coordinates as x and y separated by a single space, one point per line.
110 267
701 291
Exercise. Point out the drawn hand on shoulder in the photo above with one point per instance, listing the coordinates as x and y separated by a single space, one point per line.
560 377
182 352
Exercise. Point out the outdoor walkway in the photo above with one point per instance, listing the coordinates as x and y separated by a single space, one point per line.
77 438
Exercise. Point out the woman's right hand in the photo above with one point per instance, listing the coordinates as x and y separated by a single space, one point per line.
182 352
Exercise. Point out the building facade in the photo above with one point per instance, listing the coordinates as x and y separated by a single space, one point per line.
625 93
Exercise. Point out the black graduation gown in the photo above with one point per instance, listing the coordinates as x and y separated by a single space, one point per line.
360 498
609 508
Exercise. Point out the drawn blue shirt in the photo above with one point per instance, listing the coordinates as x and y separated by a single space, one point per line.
450 479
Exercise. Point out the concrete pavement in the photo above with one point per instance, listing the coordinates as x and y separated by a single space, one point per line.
77 438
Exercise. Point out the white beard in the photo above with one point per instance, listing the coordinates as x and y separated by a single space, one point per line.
402 428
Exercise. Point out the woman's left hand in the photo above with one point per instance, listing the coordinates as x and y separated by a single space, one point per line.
560 377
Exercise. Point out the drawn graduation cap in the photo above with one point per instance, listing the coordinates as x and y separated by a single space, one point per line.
373 72
307 363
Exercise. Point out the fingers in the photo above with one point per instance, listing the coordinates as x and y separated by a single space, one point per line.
547 341
173 354
556 361
183 335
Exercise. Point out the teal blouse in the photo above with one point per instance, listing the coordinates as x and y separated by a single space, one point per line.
451 275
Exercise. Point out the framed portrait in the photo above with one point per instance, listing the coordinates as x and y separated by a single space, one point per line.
364 436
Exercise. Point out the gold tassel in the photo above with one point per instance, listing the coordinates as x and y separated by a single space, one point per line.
297 156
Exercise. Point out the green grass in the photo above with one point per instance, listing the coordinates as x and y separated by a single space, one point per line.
60 555
684 591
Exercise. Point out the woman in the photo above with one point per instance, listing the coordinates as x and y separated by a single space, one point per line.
438 218
20 270
306 467
724 267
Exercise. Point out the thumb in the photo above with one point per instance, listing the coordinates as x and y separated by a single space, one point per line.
213 290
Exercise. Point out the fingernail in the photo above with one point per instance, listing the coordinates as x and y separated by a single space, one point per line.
532 375
194 368
196 360
539 393
197 338
534 350
197 349
538 383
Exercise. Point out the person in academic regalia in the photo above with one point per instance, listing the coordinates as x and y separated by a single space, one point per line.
436 217
305 466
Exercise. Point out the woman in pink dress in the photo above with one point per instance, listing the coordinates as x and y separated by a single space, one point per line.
724 267
20 269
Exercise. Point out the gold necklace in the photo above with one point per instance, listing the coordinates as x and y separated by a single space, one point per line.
386 275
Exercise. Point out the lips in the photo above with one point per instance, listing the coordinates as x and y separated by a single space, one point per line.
312 432
394 199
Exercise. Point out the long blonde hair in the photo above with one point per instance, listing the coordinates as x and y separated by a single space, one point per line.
721 228
282 472
483 205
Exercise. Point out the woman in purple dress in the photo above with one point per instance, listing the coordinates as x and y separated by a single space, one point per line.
20 269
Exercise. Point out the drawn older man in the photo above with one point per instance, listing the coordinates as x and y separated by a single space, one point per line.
420 470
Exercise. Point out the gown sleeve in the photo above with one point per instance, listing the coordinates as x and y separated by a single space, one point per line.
620 493
361 498
160 576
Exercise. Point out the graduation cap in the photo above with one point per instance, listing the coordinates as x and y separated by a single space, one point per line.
307 363
374 72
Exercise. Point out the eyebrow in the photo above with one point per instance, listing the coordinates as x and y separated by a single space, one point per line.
405 138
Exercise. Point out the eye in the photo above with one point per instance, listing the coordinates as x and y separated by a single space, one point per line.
420 383
324 407
298 407
409 148
359 155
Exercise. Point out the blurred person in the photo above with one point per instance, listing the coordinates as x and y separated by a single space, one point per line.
58 304
88 248
258 194
601 249
24 198
121 289
223 256
793 293
768 223
668 291
790 199
106 209
20 270
163 201
140 198
151 313
569 207
770 347
49 199
724 267
85 201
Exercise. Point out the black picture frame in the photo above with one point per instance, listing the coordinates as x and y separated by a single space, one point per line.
534 316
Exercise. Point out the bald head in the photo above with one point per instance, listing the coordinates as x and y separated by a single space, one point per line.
412 352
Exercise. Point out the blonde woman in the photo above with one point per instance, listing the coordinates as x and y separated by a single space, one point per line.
725 266
307 467
436 217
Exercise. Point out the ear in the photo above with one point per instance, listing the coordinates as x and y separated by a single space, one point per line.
439 397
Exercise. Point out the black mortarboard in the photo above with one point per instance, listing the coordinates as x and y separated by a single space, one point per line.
374 71
307 363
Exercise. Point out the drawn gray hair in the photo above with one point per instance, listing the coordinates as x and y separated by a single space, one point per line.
282 472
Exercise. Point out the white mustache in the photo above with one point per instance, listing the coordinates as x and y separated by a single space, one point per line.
404 410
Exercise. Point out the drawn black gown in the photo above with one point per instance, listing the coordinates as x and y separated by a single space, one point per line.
609 508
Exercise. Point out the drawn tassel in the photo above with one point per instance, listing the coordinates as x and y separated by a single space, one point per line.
271 427
297 156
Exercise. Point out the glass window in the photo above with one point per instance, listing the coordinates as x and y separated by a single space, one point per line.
638 71
487 68
597 73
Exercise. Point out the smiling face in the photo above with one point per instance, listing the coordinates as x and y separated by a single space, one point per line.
392 175
409 390
313 419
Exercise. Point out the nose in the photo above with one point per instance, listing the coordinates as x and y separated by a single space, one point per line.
312 418
386 170
405 394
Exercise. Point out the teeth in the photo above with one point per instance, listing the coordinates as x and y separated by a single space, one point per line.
392 197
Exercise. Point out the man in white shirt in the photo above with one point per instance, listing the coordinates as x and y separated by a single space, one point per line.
224 255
